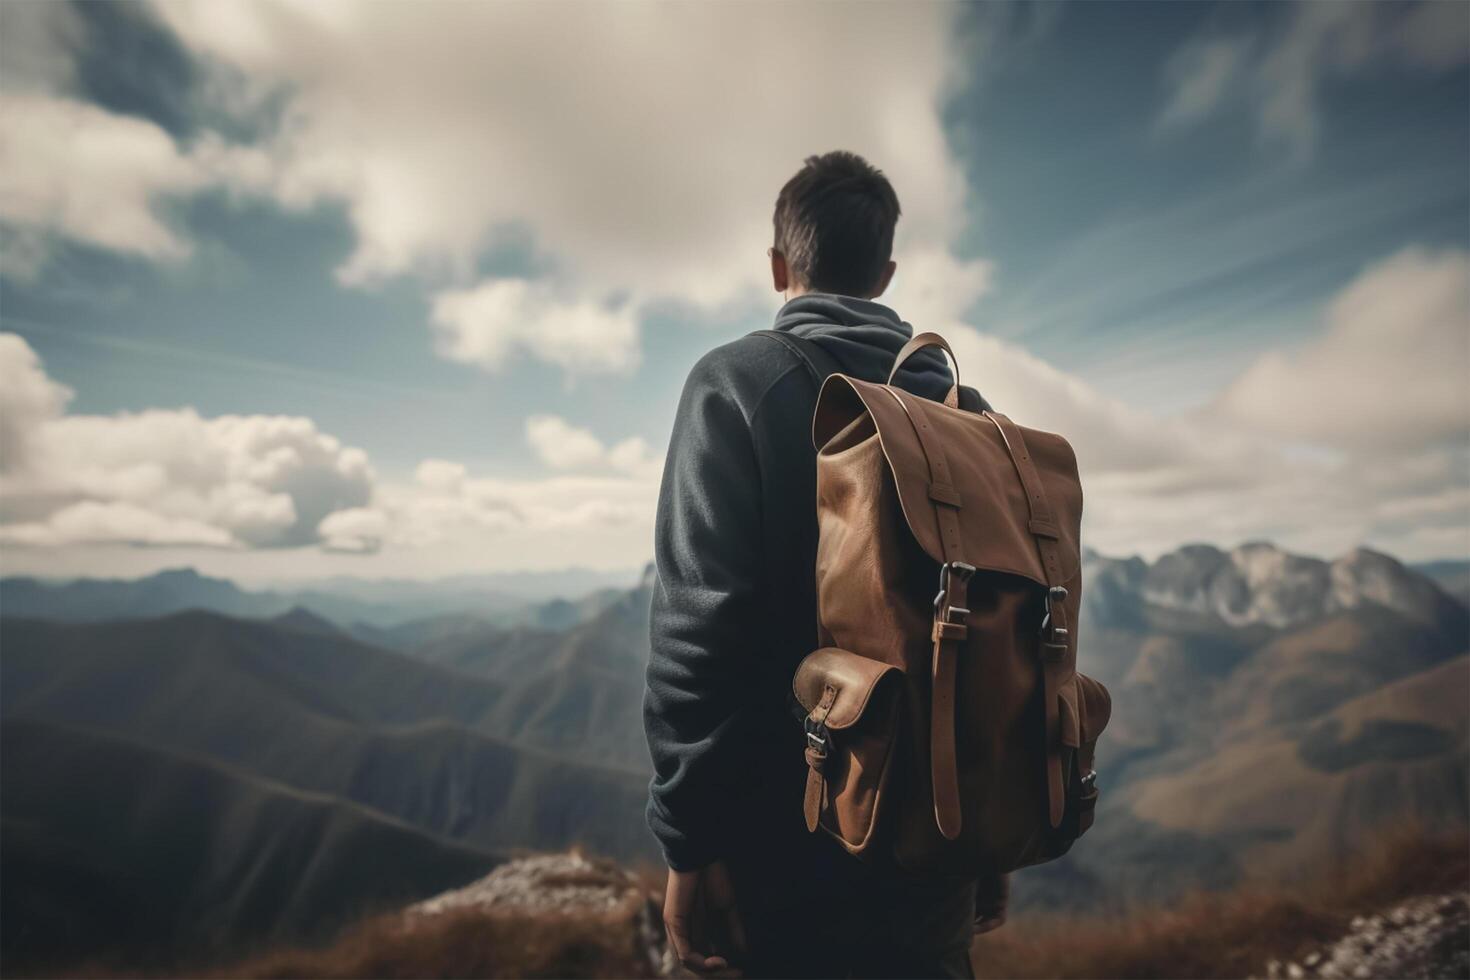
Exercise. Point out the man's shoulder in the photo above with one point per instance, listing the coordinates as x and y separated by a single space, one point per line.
746 369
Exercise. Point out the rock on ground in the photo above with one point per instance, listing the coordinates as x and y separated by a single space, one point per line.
1426 937
570 884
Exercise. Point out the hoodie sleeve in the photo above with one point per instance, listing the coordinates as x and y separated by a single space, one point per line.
706 551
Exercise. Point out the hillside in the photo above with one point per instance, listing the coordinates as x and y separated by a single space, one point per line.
1452 576
116 851
1270 712
577 691
321 713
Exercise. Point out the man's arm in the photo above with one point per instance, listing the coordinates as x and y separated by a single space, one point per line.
708 554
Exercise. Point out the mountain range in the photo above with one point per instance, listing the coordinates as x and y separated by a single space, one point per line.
549 599
1270 710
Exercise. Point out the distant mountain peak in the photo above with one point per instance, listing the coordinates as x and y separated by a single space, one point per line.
184 574
1259 583
303 620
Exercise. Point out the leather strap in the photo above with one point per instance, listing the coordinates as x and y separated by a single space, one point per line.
949 630
819 364
942 492
949 634
1055 640
918 343
816 757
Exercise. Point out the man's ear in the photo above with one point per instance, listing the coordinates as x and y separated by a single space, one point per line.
885 278
780 275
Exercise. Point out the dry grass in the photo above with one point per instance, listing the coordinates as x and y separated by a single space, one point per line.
467 943
1229 934
1232 934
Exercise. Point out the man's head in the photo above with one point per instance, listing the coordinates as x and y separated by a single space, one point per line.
834 228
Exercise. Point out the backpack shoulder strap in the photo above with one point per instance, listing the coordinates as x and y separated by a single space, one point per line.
819 364
972 401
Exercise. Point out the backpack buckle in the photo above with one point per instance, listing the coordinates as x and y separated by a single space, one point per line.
962 572
816 734
1055 634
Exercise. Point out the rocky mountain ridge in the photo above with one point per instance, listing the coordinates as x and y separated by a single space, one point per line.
1259 584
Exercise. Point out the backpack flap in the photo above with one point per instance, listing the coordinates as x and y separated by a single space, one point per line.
996 530
852 704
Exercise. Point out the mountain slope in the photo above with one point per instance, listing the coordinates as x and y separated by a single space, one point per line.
321 713
1401 749
112 847
577 692
1234 676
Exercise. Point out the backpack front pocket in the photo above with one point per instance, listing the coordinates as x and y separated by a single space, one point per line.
852 706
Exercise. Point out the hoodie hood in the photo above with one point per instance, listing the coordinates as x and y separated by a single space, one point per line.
864 337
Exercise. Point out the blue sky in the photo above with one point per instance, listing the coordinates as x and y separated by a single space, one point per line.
1194 238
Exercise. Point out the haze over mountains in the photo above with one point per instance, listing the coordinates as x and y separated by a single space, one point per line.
1269 710
534 597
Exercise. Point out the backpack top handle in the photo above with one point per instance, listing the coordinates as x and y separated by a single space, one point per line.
918 343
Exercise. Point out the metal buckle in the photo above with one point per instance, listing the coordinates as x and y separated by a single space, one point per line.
816 735
1055 594
963 572
1089 780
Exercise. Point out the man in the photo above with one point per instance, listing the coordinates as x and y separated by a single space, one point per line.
734 610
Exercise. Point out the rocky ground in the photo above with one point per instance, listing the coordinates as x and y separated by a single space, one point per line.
563 884
1426 937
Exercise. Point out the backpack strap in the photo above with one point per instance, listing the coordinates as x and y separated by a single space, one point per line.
950 612
917 343
819 364
1054 637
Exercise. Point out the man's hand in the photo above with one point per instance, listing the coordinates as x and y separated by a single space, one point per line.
702 922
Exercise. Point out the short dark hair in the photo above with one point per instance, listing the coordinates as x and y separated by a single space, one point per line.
834 224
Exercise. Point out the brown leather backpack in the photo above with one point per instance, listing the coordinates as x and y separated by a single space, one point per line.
949 732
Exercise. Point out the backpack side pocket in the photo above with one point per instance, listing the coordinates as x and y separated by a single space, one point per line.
852 706
1084 708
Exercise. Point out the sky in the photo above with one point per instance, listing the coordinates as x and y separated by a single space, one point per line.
410 290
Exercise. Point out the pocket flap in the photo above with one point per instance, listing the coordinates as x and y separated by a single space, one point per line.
853 677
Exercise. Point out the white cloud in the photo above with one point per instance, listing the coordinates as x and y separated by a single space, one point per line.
1360 436
1331 479
488 324
1280 74
357 530
90 176
645 167
611 517
634 169
634 455
76 171
1390 372
113 522
27 398
935 291
563 446
634 163
162 476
